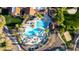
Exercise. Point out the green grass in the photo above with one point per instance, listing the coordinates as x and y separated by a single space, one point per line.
12 21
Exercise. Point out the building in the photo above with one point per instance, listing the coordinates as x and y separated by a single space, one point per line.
23 10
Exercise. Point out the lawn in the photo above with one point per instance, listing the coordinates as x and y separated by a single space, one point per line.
12 21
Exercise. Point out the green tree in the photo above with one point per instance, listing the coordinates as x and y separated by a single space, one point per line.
66 21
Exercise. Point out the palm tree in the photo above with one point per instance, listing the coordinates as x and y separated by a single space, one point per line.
67 21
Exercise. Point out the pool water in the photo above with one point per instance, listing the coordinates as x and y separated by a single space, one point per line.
38 29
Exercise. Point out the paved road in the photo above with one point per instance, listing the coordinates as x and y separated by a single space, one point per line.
53 41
